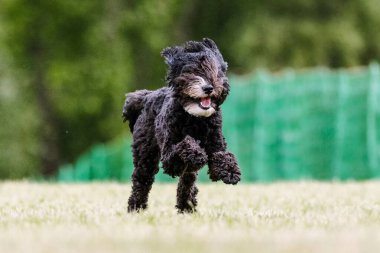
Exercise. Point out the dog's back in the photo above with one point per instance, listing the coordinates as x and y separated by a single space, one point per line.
134 103
137 101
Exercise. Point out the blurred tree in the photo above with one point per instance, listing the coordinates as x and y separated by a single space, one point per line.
68 63
295 33
70 55
148 26
18 142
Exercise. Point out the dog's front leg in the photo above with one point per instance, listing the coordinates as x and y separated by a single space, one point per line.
191 153
184 155
222 164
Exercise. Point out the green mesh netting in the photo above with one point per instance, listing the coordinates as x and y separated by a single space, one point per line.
316 124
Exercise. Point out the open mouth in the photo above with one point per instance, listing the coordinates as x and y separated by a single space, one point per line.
205 103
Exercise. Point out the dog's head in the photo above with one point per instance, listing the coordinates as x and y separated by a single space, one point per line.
197 74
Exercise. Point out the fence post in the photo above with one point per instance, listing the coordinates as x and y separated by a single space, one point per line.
340 127
373 107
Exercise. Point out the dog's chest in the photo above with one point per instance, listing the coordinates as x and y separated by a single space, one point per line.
196 128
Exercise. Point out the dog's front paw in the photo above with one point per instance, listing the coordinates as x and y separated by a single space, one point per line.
191 153
230 177
223 166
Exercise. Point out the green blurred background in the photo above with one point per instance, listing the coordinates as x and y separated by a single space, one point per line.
65 66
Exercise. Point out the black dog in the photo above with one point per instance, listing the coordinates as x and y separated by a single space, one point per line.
181 125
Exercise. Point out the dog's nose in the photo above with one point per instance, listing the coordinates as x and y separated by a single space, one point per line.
208 89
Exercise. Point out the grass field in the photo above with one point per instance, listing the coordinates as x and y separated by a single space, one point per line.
280 217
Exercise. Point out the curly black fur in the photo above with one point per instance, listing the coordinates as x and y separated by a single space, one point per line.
181 125
187 193
223 166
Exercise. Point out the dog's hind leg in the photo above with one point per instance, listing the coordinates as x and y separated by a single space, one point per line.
187 192
145 158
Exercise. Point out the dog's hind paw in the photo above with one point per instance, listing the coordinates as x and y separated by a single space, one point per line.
135 208
223 166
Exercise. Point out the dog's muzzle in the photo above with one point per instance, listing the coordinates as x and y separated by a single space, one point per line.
208 89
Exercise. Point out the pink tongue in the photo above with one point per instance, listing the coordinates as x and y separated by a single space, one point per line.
206 102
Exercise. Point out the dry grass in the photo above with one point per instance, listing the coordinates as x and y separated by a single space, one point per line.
281 217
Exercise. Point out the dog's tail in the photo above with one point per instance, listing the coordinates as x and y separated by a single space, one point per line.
134 103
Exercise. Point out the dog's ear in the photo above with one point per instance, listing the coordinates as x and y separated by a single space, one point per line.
209 43
169 54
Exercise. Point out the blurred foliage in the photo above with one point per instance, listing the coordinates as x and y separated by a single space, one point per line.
65 65
295 33
18 128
